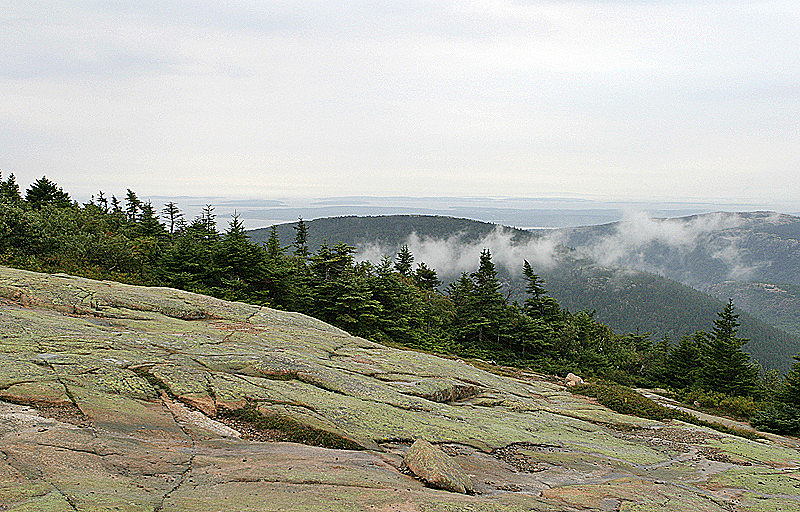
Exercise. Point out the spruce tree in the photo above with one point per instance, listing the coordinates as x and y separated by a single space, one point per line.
9 190
300 243
132 206
102 201
426 277
725 366
172 214
683 363
148 223
44 191
790 393
404 261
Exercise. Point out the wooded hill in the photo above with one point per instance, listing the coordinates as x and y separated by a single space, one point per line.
626 299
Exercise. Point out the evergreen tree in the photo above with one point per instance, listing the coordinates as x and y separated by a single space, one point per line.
102 201
658 369
9 190
725 367
300 243
404 261
683 363
209 222
425 277
790 394
538 304
132 206
482 312
44 191
148 223
172 214
239 263
273 245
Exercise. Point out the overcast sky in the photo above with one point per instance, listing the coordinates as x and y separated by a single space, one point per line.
608 99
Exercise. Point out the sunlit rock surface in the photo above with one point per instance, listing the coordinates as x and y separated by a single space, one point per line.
118 397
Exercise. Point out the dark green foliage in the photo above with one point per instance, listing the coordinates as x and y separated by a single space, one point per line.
300 242
683 362
426 278
44 192
9 190
790 393
404 261
625 300
173 216
132 205
779 417
724 366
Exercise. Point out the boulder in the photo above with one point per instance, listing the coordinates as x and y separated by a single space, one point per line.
573 380
431 465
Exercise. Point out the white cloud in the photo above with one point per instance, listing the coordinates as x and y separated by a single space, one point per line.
453 255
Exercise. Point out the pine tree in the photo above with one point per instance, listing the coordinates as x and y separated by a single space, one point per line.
538 304
790 393
44 191
273 245
172 214
725 367
102 201
683 363
425 277
404 261
148 223
9 190
132 206
300 243
209 222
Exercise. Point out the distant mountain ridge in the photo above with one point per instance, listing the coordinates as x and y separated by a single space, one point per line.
627 299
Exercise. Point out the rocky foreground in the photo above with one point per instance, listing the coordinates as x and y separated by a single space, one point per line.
117 397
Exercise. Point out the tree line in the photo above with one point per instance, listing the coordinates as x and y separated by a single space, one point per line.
396 301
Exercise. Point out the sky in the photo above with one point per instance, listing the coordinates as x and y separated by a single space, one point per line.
616 100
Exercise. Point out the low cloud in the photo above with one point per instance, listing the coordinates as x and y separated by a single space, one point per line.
453 255
659 245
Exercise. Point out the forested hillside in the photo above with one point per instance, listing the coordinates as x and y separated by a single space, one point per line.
627 300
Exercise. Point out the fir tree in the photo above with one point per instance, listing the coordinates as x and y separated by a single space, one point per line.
790 393
425 277
9 190
172 214
44 191
102 201
148 224
300 243
273 245
725 367
404 261
132 206
209 222
683 363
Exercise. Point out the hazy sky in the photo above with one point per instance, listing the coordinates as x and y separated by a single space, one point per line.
614 99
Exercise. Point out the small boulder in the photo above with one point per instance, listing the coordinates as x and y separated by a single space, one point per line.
573 380
431 465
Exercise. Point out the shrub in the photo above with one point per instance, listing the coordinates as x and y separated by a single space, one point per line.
778 417
626 401
739 406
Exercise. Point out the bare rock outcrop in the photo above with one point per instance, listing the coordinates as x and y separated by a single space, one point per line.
431 465
118 397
